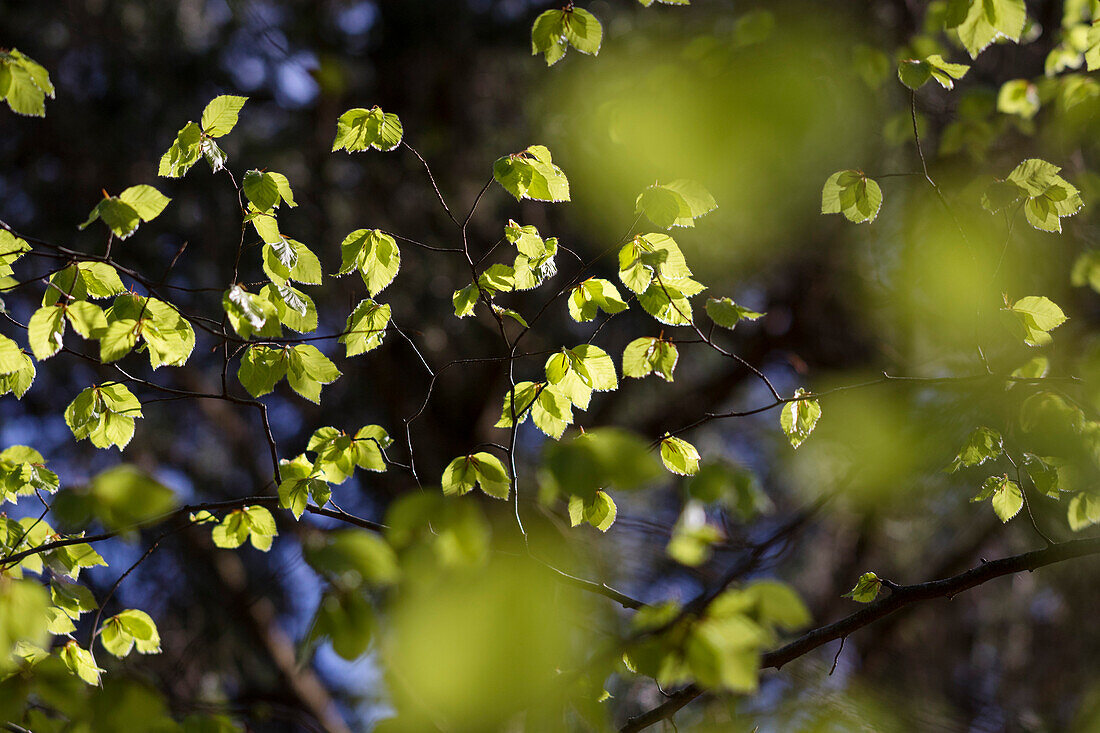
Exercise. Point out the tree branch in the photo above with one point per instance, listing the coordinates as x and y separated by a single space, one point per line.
903 596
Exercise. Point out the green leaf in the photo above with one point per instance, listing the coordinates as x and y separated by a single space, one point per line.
104 415
262 190
45 331
220 116
294 494
17 382
99 279
251 314
124 496
351 558
679 456
1018 97
527 240
374 254
913 73
368 444
183 153
648 256
465 299
525 394
147 201
866 588
295 309
593 295
11 356
1006 495
853 194
692 537
86 318
362 129
308 369
1086 270
120 633
675 204
799 417
1032 318
668 301
531 174
1084 511
484 469
728 314
600 511
980 22
306 267
603 458
365 327
946 73
583 31
548 36
981 445
261 369
80 662
1049 196
649 355
24 84
252 523
1092 47
72 598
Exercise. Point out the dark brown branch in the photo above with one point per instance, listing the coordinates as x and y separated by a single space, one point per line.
900 597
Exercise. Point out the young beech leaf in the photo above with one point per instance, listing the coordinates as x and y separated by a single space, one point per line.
125 631
799 417
1006 496
253 523
853 194
261 190
531 174
980 22
679 456
308 369
1047 196
365 327
983 444
593 295
600 511
24 84
484 469
554 29
294 493
1084 511
251 314
728 314
261 369
80 662
866 589
650 355
1018 97
220 116
45 331
363 129
374 254
1032 318
675 204
104 414
913 73
123 213
520 399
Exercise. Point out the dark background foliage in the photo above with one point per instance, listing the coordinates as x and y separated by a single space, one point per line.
761 114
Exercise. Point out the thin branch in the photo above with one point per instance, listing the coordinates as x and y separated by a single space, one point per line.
902 596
